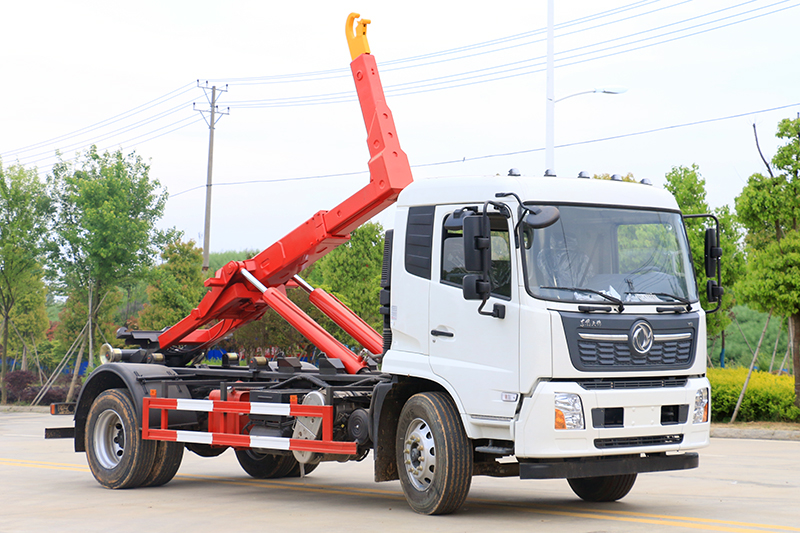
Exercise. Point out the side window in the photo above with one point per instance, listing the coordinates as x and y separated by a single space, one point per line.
500 273
453 270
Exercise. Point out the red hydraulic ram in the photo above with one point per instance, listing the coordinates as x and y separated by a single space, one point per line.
235 300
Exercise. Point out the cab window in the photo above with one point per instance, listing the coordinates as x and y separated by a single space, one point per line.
453 270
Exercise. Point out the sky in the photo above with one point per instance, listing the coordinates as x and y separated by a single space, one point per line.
465 82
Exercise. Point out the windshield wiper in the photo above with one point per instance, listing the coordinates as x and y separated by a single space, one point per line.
611 299
678 299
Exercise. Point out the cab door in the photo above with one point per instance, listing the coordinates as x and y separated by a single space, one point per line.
478 355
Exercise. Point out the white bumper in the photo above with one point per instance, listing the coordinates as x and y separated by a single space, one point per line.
536 436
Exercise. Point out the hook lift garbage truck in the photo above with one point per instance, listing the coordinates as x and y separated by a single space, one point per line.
533 327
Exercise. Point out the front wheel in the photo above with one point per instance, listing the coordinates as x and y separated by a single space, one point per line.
434 458
604 488
118 456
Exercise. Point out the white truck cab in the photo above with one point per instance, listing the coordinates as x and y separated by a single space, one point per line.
590 342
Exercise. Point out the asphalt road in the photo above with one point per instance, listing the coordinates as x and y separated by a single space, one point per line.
741 485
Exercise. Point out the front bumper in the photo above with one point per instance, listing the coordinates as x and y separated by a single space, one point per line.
605 466
643 429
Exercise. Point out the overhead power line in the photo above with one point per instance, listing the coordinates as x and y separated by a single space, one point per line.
531 65
387 66
103 123
504 154
151 113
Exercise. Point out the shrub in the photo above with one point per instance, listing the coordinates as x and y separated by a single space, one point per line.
769 398
54 395
16 382
21 388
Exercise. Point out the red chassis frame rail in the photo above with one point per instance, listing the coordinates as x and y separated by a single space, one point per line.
234 300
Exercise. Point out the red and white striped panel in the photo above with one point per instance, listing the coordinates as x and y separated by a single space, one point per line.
243 441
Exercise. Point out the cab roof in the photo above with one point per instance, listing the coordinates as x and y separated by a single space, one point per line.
545 190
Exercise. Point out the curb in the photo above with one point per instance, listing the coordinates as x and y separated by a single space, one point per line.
25 409
761 434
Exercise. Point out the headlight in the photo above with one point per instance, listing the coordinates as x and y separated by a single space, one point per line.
701 407
569 411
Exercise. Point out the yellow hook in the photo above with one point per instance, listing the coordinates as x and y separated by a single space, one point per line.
357 36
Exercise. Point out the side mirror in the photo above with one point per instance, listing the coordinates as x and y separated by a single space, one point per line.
714 292
455 220
712 253
477 244
475 287
542 217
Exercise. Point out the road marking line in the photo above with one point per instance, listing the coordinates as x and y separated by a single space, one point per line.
47 467
708 524
27 461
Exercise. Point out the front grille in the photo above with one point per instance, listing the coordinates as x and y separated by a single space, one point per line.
603 344
603 353
629 442
608 384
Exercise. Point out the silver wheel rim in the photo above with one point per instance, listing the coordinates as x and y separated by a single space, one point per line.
109 439
419 454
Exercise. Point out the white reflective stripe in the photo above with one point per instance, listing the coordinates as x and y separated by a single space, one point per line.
264 408
195 405
602 337
269 443
666 337
198 437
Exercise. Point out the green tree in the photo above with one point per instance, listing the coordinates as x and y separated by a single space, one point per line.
72 320
272 331
352 272
769 208
688 187
217 260
605 176
29 318
107 209
739 352
25 211
176 286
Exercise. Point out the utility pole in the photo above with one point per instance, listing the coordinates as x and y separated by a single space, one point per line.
211 121
549 154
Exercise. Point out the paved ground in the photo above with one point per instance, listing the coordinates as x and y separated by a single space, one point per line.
741 485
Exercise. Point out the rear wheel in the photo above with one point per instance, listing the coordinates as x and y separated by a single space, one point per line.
604 488
265 465
433 454
118 456
166 462
295 471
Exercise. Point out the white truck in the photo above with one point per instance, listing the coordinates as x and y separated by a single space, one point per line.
534 327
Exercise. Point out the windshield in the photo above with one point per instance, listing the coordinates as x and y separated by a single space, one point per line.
635 256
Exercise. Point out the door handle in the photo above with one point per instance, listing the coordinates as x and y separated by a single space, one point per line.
440 333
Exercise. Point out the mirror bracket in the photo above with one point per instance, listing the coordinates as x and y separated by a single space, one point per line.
713 254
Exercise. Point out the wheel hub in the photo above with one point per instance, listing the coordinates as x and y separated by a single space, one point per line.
419 454
109 439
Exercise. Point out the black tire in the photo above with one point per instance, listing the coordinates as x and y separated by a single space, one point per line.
166 462
118 456
602 489
434 458
265 465
205 450
295 471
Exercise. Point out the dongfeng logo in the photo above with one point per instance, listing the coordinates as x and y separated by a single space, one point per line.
641 337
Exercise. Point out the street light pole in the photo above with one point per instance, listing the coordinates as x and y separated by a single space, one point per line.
550 119
550 133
